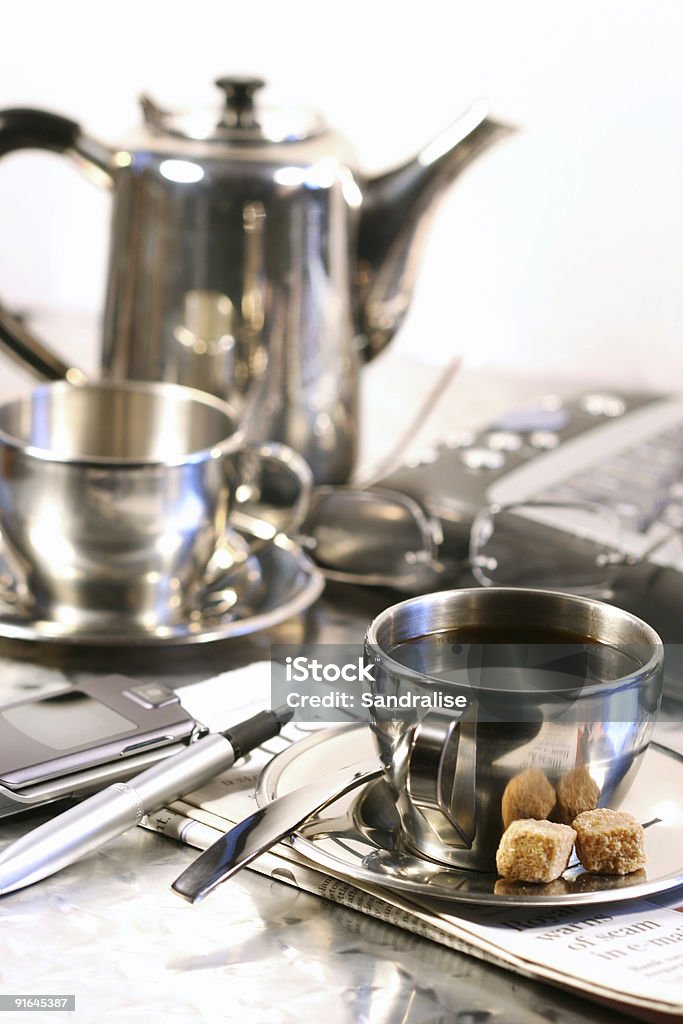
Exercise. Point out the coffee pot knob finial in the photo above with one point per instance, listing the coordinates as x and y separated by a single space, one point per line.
239 99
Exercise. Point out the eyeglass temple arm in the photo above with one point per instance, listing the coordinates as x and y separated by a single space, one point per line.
623 558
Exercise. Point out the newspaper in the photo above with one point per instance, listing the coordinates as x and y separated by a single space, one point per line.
628 954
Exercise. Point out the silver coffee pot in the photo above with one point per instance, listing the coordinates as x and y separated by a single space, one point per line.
250 258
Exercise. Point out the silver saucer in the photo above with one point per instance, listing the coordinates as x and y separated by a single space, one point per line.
260 591
357 836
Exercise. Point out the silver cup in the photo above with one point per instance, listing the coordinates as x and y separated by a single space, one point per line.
114 497
553 682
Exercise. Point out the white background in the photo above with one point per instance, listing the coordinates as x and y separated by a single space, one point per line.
560 250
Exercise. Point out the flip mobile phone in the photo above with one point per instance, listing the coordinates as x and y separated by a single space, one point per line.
73 742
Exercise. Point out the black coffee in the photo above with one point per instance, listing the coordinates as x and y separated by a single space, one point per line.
516 659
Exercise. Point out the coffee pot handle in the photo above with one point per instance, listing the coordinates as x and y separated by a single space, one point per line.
34 129
26 128
442 770
24 348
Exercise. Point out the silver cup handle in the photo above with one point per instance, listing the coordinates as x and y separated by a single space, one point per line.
274 492
442 770
271 498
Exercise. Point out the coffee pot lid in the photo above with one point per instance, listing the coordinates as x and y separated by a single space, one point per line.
239 120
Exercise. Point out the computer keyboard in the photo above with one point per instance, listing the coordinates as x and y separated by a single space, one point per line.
633 464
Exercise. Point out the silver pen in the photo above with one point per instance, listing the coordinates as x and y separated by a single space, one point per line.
93 822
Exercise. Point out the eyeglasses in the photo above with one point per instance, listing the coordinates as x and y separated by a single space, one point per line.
383 538
372 537
519 545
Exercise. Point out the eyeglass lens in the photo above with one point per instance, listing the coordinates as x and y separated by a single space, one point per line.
521 545
375 537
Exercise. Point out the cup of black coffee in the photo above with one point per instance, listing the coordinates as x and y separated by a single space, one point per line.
488 703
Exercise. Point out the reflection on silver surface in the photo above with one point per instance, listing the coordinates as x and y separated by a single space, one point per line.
358 836
207 323
260 951
254 593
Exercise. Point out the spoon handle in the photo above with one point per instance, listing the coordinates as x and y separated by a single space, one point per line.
267 826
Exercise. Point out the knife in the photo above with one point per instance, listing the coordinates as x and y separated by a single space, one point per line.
267 826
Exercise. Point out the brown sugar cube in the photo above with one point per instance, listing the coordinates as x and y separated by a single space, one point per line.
576 792
534 851
527 795
609 842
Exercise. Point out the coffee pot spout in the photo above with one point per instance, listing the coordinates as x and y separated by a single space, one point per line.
395 215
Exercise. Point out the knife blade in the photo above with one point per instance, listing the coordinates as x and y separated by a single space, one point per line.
267 826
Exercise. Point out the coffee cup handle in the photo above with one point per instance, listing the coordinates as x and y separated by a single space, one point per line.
274 492
442 770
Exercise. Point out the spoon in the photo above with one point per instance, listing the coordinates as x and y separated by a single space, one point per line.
267 826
